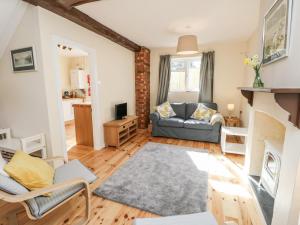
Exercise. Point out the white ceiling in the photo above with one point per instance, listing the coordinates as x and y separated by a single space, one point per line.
158 23
11 13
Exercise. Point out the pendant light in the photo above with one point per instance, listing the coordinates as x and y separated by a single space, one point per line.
187 45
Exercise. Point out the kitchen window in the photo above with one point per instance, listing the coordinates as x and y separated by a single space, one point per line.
185 74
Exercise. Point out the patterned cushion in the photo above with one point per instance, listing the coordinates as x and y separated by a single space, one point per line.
203 113
165 110
191 107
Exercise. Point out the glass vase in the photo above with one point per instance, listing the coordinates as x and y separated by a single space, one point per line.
258 82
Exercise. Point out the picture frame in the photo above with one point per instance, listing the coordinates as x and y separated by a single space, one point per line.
276 31
23 59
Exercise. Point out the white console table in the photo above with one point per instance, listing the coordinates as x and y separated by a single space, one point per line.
9 145
234 148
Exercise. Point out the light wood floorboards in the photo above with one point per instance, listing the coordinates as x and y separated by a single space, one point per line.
229 198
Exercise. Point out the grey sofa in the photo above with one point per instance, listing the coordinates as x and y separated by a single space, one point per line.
182 126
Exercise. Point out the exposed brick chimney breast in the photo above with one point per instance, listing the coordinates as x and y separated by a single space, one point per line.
142 86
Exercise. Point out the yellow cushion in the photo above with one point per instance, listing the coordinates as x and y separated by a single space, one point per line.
165 110
32 172
203 113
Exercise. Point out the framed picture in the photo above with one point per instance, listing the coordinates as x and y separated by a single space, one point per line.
23 59
276 34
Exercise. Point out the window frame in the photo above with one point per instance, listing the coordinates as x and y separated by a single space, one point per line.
186 70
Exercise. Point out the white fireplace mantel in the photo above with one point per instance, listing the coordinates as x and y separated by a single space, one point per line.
287 98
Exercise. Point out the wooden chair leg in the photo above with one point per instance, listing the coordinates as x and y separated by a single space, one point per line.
87 195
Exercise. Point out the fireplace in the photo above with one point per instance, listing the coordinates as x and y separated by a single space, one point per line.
271 166
274 114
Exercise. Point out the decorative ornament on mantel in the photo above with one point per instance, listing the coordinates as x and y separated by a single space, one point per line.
187 45
255 63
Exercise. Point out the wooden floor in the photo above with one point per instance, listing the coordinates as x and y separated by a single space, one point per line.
228 198
70 134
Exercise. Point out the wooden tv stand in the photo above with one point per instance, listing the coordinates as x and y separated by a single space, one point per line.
117 132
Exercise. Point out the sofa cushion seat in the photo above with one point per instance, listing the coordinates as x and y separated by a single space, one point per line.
72 170
171 122
197 124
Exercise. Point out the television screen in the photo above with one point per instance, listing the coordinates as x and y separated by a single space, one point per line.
121 111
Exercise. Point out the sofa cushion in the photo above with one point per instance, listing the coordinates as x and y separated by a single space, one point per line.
179 109
191 107
165 110
171 122
71 170
32 172
197 124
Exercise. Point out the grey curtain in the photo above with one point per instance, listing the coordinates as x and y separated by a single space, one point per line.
164 79
207 77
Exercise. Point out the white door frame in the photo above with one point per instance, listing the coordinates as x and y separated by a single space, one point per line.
95 101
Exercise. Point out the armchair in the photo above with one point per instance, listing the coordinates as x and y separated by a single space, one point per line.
70 180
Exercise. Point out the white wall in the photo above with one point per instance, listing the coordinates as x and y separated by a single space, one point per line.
23 105
229 72
115 65
64 63
283 73
29 100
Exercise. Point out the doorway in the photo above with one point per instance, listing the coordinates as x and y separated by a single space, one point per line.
75 86
77 83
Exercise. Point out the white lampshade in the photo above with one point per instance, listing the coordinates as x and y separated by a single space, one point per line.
187 45
230 107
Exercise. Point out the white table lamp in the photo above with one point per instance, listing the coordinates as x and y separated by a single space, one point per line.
230 108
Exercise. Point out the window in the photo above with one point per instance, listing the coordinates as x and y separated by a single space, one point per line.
185 74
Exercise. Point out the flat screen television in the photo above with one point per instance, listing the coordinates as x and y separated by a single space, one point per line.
120 111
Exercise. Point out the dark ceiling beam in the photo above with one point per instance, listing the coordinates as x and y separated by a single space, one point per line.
86 21
71 3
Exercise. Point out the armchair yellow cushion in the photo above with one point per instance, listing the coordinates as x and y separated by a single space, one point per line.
32 172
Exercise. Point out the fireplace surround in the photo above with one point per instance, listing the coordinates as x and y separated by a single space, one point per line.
281 105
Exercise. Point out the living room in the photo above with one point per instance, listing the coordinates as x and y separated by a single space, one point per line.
229 160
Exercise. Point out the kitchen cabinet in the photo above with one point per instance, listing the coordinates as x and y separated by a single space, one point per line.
68 108
78 79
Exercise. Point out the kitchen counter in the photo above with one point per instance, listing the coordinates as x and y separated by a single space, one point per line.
83 123
87 104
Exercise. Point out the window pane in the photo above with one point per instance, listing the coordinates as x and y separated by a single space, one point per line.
195 64
177 82
193 79
178 65
185 74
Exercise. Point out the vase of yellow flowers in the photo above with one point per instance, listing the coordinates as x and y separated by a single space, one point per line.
255 63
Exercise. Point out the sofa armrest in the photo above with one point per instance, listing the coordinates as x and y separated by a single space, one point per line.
154 117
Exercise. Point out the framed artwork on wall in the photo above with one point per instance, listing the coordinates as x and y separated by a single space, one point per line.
23 59
276 34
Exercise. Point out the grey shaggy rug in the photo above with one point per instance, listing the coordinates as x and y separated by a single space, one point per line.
162 179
